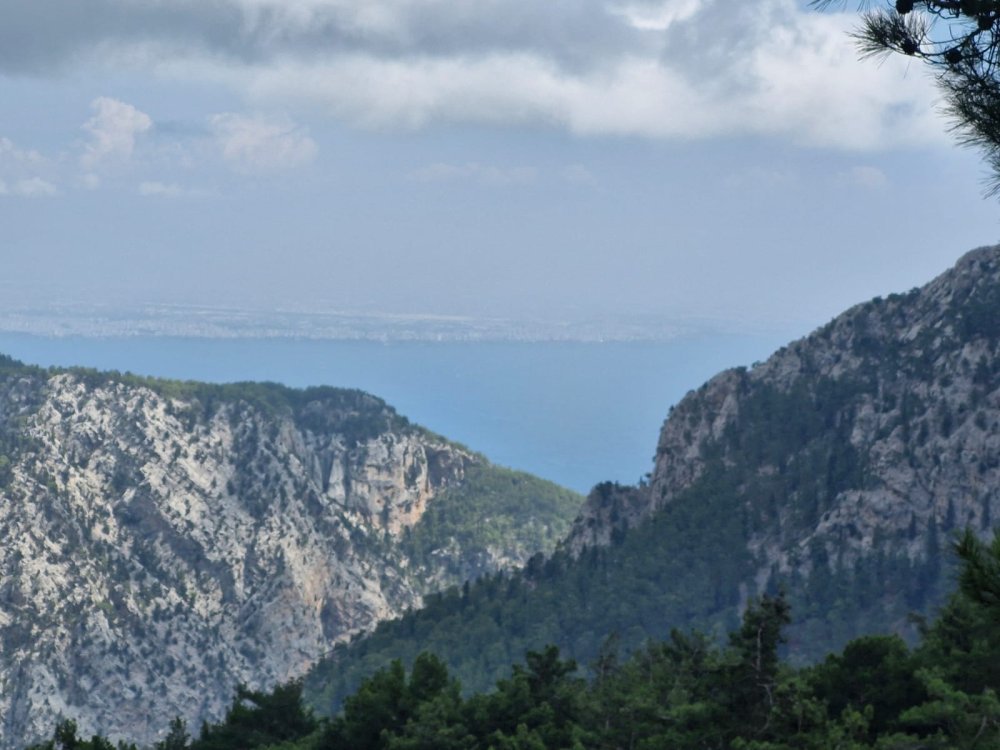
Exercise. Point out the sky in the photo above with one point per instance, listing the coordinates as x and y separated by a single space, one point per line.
734 163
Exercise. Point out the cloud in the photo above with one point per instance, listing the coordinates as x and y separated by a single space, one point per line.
677 69
719 69
33 187
256 144
12 154
113 130
482 174
21 170
656 16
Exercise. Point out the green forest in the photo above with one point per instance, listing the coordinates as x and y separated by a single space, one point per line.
687 691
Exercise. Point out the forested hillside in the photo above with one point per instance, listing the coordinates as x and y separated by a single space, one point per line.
837 471
684 693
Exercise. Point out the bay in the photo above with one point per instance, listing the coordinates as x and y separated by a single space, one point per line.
574 413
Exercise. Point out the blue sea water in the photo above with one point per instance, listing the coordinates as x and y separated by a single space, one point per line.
575 413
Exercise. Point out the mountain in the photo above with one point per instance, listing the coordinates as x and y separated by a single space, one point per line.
837 470
163 541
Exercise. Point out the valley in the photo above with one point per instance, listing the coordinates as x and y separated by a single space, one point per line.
317 533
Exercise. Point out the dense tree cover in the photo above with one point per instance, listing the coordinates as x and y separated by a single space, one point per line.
683 692
492 508
688 566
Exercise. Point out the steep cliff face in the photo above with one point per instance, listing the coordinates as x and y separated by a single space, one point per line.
162 542
836 471
876 433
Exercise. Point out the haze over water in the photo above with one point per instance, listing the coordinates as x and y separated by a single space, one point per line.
575 413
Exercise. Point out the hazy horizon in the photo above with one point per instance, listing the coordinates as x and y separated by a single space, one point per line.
566 164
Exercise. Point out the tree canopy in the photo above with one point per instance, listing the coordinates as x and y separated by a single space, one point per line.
688 692
960 40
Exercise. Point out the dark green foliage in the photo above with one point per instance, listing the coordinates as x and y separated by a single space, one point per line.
751 680
766 482
386 703
258 719
494 508
631 587
963 644
177 738
65 737
684 567
980 578
877 671
685 693
688 693
958 39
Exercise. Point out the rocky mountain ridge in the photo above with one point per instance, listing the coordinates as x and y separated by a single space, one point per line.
165 541
909 387
838 471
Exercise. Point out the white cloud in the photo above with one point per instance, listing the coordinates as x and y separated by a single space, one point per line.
113 130
21 170
32 187
12 154
797 76
668 69
253 144
482 174
657 15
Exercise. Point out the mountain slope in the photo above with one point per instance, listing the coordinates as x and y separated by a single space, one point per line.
837 470
163 541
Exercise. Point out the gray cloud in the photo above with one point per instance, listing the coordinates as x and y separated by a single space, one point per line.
49 35
649 68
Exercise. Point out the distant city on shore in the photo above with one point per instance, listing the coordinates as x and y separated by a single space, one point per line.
108 320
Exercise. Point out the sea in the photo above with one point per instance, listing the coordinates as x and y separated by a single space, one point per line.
574 413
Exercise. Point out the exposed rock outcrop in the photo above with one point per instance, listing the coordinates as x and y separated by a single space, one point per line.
890 414
162 542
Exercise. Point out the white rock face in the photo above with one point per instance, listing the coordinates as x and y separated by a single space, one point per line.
155 552
910 383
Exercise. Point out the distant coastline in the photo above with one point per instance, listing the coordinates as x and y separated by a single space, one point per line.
576 413
223 322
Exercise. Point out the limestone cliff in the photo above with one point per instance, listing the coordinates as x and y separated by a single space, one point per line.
161 542
836 471
880 428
